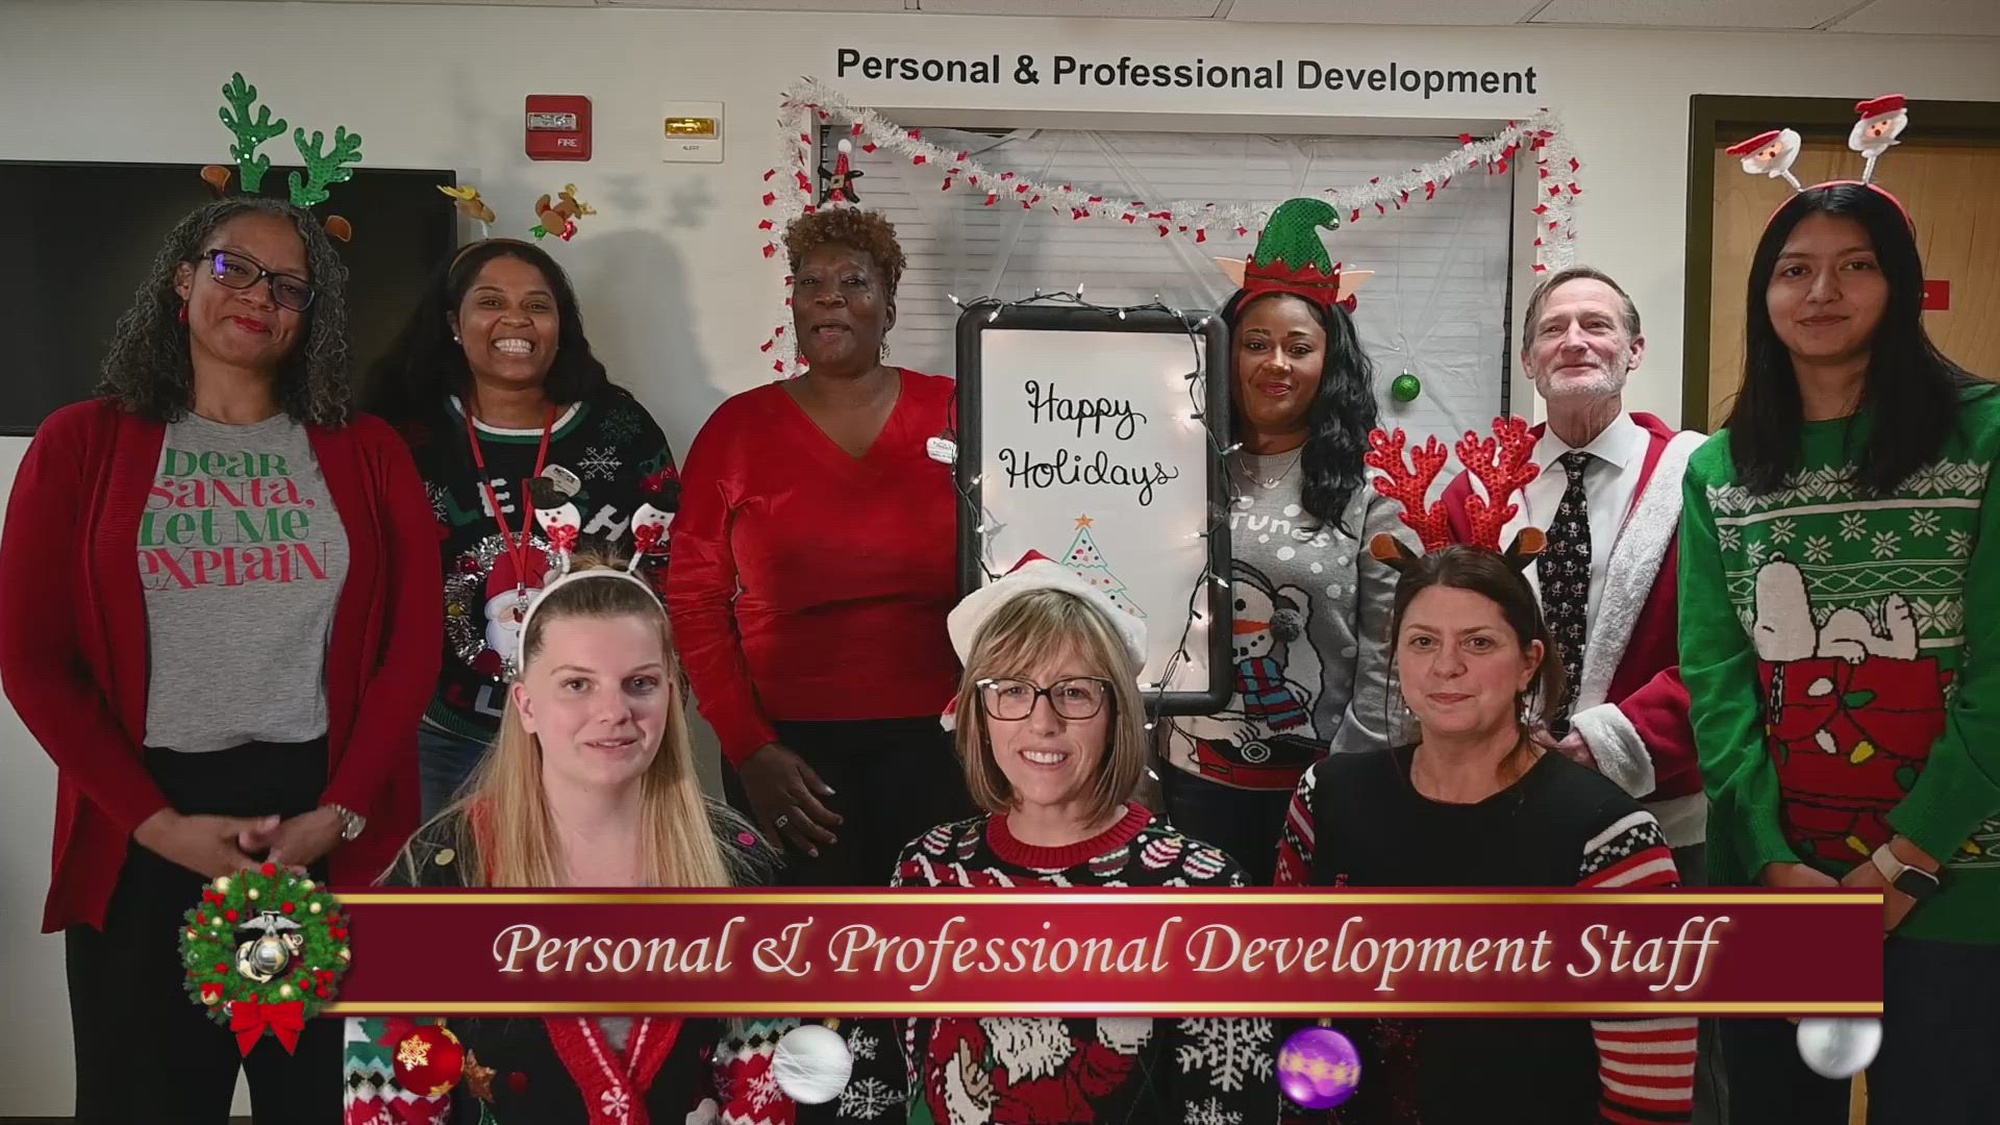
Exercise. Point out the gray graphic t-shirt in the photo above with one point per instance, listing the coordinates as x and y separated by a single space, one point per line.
242 556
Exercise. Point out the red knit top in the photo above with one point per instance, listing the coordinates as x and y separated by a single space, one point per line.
75 661
808 584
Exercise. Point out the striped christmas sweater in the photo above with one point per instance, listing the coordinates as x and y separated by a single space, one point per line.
1357 821
1832 646
1049 1070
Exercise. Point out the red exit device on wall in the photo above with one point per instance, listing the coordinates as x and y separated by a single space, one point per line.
558 127
1937 296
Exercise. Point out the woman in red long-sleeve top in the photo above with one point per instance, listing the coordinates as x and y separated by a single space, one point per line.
813 561
219 616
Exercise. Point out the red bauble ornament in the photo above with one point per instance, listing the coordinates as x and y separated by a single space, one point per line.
269 870
429 1061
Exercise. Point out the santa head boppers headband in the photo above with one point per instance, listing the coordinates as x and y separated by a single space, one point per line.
1290 258
1498 462
1880 121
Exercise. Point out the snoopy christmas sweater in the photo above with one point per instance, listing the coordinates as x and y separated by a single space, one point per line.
611 446
1048 1070
1839 649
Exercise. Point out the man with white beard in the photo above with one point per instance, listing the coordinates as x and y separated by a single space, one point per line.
1609 498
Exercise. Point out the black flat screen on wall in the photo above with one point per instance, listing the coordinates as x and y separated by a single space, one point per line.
82 236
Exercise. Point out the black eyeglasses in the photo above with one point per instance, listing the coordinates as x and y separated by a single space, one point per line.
240 272
1080 697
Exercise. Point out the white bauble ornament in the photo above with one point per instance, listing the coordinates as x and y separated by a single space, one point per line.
251 894
305 886
812 1064
313 907
1839 1048
222 883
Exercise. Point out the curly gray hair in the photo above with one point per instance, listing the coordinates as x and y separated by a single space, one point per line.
148 370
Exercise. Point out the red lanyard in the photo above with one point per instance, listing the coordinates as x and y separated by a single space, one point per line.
517 548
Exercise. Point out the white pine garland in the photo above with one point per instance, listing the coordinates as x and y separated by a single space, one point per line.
790 190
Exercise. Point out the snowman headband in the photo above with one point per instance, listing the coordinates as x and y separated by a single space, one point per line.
1878 126
1498 462
542 599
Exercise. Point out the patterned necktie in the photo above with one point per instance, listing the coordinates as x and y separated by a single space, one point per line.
1564 569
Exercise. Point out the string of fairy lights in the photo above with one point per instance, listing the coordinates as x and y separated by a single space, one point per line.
1221 450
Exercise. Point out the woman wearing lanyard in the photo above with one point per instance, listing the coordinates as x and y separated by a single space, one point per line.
508 413
814 561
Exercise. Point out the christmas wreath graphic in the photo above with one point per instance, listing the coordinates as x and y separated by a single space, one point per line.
264 951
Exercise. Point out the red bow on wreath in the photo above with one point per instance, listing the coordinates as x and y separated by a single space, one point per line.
249 1019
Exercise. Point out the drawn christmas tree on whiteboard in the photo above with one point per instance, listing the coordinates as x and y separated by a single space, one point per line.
1087 562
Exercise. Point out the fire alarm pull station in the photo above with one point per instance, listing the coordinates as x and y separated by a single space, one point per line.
558 127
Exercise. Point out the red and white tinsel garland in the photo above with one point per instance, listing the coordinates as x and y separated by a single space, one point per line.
789 188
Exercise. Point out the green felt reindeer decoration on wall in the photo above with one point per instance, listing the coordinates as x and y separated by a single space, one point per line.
324 166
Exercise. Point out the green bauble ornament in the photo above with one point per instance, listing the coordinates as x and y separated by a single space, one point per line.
1406 388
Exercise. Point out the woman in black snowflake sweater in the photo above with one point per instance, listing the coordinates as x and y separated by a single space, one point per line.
493 384
1051 732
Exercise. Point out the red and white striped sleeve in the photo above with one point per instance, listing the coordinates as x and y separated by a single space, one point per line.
1295 843
1646 1067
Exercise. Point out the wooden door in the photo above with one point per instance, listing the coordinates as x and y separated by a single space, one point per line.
1952 191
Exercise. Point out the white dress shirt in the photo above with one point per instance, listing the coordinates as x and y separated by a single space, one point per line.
1609 485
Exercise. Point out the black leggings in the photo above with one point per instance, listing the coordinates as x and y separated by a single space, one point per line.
144 1050
893 780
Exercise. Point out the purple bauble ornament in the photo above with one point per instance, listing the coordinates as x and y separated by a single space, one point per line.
1318 1068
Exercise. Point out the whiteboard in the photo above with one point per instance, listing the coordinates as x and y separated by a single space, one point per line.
1081 436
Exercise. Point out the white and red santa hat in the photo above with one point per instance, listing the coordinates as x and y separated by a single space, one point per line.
1035 571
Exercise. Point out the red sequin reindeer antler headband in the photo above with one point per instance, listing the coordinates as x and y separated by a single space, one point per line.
1499 463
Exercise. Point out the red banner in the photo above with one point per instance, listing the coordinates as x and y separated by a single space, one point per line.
1249 952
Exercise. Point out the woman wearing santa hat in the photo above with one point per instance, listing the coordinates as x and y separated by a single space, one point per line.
814 559
1311 607
1838 643
511 418
1051 729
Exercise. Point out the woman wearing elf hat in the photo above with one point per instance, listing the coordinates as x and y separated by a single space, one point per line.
814 560
1838 644
1475 800
1311 605
510 417
218 612
591 783
1051 729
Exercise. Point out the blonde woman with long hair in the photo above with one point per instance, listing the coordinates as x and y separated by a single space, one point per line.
591 783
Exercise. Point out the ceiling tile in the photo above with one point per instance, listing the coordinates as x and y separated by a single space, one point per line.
1927 17
1430 13
1126 9
1771 14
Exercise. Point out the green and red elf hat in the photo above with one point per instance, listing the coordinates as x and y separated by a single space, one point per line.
1291 258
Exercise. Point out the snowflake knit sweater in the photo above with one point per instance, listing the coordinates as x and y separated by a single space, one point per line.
1050 1070
1839 652
1358 821
618 452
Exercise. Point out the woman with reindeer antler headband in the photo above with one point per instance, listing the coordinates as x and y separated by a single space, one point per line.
1838 641
219 615
1476 801
522 439
1312 608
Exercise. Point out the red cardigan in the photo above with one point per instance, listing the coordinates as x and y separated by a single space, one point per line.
75 662
808 584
